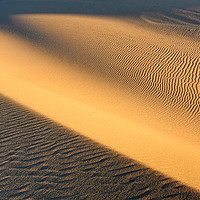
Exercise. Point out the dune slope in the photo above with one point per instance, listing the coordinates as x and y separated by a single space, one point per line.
43 160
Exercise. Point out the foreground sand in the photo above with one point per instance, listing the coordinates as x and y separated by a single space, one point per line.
43 160
127 77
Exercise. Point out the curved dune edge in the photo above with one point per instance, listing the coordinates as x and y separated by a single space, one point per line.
169 154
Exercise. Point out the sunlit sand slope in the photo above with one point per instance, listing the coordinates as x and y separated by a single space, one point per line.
142 62
43 160
129 82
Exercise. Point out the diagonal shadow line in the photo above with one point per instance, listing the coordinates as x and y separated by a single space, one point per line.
43 159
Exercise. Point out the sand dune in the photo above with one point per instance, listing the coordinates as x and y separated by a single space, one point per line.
127 77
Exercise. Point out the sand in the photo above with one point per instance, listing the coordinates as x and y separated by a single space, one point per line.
125 75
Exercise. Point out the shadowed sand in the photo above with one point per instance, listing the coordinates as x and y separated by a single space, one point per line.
126 77
40 159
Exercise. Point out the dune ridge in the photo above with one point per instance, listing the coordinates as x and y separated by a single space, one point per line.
157 153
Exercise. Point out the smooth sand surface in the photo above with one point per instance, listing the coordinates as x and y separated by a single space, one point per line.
125 74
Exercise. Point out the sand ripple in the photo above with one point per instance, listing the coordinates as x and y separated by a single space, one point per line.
43 160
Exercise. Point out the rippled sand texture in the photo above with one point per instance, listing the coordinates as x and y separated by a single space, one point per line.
125 74
43 160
